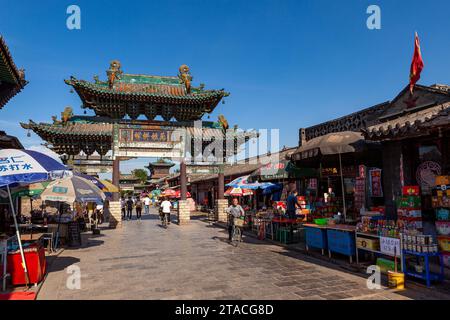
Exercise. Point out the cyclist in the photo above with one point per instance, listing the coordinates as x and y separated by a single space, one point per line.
234 211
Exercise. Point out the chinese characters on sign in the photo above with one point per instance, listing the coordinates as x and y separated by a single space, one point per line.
132 135
146 141
14 164
375 183
390 246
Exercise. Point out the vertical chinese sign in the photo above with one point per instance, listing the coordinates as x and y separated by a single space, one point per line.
375 183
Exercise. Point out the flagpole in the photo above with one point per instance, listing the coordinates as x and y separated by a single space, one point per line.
24 264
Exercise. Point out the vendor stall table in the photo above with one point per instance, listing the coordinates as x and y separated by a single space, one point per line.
341 239
316 237
368 236
31 237
427 275
282 224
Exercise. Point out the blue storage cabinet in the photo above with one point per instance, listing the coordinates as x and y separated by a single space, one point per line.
316 237
341 241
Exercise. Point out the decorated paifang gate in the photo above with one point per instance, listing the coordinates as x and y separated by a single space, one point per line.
120 103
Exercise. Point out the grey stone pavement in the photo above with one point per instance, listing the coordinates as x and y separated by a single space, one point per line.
142 260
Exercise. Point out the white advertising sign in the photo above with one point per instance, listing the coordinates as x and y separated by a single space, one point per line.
390 246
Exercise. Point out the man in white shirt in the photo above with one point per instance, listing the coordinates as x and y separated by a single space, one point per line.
147 205
165 207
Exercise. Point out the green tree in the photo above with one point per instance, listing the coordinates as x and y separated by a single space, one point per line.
141 174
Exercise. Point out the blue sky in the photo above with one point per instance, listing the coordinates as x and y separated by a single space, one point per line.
287 64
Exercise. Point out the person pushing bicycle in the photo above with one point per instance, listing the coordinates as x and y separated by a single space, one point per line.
234 211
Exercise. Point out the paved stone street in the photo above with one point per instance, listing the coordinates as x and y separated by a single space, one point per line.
144 261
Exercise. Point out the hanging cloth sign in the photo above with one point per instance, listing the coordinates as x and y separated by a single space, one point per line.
375 183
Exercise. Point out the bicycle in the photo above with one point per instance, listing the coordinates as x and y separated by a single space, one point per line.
236 234
165 221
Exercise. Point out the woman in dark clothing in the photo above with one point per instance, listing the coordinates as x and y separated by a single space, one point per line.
138 206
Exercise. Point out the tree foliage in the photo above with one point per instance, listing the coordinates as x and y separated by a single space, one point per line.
141 174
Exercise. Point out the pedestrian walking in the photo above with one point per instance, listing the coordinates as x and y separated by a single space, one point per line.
130 204
147 202
166 205
138 205
122 206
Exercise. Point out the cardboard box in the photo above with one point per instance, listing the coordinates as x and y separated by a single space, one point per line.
368 243
385 265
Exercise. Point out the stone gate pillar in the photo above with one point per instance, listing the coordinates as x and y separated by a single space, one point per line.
184 212
115 218
221 202
116 178
221 206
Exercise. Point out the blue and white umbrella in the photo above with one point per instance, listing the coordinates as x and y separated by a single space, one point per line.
243 183
73 189
25 167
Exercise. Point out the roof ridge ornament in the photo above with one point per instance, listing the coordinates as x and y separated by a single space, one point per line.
114 72
185 77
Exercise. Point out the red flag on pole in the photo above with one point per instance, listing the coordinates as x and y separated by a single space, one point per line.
416 65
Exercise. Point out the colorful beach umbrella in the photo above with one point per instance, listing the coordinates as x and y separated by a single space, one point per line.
109 187
238 192
31 190
73 189
168 193
92 179
178 194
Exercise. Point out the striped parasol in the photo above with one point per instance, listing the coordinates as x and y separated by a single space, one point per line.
238 192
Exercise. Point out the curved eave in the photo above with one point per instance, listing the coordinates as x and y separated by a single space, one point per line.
49 132
11 93
85 88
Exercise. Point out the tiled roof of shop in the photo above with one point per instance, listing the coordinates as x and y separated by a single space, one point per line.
409 123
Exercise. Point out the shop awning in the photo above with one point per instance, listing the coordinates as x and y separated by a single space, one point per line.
332 143
283 169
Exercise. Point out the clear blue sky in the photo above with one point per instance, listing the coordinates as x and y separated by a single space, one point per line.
287 64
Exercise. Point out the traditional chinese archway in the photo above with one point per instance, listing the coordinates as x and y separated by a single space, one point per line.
132 95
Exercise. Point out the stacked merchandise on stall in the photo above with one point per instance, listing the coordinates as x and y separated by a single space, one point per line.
378 236
328 208
441 204
305 206
409 210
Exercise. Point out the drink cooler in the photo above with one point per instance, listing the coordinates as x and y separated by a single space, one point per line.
36 265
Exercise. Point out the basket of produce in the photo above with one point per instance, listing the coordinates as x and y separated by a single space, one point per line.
239 222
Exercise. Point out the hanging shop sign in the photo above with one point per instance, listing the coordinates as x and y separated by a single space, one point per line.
360 192
348 171
375 183
390 246
362 171
312 184
426 174
202 169
146 141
